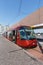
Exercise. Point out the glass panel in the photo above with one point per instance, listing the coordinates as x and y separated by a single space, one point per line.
30 34
22 34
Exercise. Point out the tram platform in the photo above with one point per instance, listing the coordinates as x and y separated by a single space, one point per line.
11 54
37 52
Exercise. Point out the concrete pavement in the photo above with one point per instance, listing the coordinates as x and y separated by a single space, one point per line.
11 54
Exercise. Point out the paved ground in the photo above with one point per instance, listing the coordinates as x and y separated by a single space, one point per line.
11 54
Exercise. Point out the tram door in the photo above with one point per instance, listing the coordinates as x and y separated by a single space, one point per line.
18 40
14 35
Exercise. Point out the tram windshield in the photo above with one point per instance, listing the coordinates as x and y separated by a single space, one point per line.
27 34
22 34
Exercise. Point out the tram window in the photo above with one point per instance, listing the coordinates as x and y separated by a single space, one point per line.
22 34
30 34
13 32
10 35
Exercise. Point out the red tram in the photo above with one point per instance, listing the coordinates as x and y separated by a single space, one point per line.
22 36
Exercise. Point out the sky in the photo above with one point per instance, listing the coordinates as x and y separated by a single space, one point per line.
12 11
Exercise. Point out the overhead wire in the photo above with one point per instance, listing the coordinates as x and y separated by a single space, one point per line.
19 9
